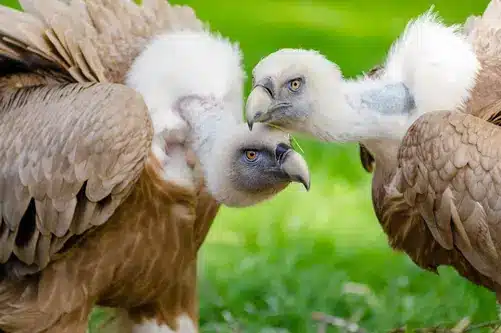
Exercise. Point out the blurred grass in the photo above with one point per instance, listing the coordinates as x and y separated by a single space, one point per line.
266 268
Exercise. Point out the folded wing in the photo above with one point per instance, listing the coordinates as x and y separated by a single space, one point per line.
450 174
69 155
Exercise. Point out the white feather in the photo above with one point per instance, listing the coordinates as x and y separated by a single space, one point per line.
185 325
182 63
435 62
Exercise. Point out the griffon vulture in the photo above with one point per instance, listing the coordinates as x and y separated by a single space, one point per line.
101 202
429 117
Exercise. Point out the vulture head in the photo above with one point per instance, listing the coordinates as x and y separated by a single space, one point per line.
429 67
253 166
192 82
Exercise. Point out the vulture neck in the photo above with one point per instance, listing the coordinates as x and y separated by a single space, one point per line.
196 73
205 126
366 110
210 125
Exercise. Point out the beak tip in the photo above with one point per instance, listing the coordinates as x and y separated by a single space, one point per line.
250 123
296 168
306 184
307 187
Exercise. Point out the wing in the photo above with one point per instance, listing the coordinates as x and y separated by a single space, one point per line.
484 32
69 155
89 40
450 174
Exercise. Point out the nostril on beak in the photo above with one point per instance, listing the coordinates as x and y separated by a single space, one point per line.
268 90
258 115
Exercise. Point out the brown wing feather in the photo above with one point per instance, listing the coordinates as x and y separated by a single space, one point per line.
69 155
443 206
450 176
484 33
15 74
90 40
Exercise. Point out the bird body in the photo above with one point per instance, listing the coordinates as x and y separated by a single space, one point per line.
428 121
452 152
142 259
119 140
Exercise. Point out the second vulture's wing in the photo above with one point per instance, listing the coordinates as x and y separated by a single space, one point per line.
449 177
69 155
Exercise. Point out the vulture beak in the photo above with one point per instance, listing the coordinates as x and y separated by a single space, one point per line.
293 165
259 102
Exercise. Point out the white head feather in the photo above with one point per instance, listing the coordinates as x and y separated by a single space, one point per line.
192 82
430 67
435 61
185 62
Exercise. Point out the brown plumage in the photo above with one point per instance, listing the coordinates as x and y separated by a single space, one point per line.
429 118
440 203
139 254
89 213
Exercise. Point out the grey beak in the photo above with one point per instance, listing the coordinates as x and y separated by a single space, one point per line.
295 166
259 102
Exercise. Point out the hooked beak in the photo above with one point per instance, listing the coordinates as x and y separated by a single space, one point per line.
259 102
295 167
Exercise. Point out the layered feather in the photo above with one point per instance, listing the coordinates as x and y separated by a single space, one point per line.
441 205
90 40
53 43
71 170
90 202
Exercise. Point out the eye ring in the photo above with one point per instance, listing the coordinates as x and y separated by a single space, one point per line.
251 155
295 84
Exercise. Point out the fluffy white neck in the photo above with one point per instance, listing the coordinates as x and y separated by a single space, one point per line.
209 123
179 64
430 67
365 110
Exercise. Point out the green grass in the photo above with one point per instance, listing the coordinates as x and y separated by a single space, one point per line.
271 266
266 268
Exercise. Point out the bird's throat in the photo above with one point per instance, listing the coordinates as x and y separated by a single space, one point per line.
378 109
206 119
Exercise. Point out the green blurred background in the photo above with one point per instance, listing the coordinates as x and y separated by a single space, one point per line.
266 268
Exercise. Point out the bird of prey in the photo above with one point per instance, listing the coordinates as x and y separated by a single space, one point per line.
121 134
429 118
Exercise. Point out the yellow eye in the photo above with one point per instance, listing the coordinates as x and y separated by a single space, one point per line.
295 84
251 155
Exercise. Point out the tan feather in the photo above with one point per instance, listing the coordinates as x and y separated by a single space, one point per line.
439 201
109 261
91 40
77 156
56 200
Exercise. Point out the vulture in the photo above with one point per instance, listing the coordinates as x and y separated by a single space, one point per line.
428 119
121 134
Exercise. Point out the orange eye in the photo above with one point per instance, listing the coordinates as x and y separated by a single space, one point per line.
251 155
